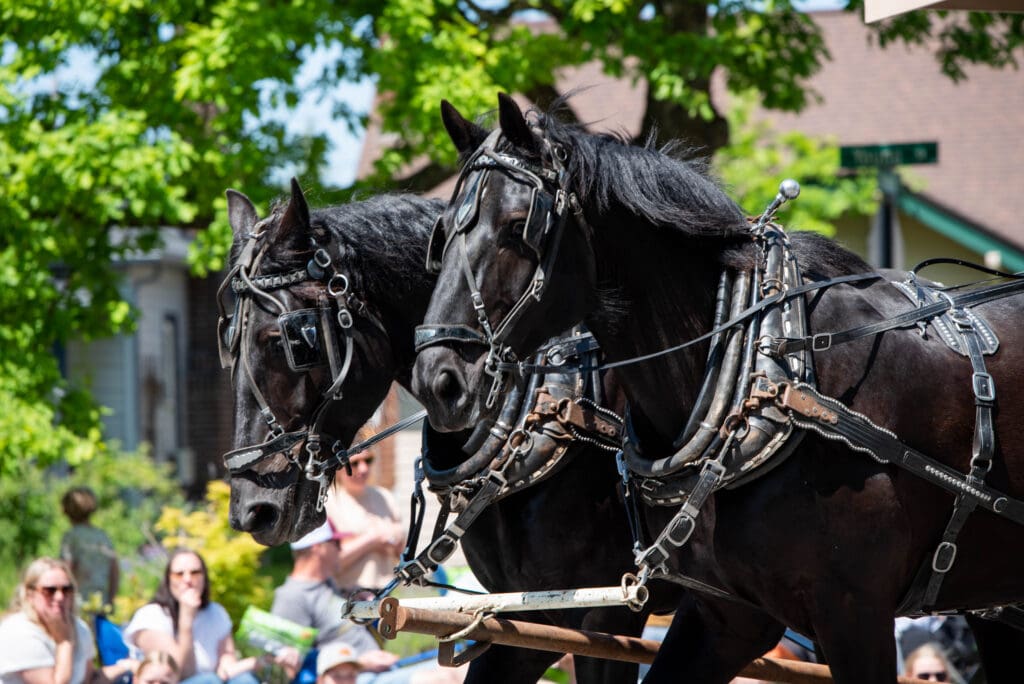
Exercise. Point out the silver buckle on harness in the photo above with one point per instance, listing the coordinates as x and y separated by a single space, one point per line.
944 556
984 387
821 342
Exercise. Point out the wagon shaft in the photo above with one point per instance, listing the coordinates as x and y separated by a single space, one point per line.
396 618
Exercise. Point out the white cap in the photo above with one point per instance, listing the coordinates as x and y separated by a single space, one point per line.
334 654
322 534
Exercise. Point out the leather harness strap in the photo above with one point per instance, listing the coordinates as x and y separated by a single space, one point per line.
834 420
823 341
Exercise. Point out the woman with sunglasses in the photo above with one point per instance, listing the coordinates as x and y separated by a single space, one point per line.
367 519
42 639
182 621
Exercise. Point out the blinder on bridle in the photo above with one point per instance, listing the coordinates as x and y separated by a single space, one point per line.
540 235
536 228
302 339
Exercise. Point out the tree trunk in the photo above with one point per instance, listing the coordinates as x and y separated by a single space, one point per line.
672 120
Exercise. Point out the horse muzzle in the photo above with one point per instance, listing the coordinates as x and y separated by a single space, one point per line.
445 384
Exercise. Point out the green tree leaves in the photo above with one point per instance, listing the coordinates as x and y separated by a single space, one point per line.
116 119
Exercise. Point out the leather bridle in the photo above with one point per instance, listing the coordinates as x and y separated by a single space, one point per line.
541 234
310 337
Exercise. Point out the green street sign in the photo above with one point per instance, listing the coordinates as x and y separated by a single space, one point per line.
855 156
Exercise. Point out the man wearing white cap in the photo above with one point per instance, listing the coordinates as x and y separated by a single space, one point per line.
310 598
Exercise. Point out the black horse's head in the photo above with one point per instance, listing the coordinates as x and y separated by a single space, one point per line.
510 238
310 345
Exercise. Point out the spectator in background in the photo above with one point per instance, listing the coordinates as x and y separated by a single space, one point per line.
950 632
310 598
367 518
87 549
183 621
929 662
42 639
337 664
157 667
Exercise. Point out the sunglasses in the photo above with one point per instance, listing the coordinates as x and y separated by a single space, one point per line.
933 676
178 574
50 592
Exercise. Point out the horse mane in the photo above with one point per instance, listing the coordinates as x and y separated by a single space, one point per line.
669 187
672 188
379 244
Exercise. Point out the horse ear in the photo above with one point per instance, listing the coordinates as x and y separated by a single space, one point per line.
241 213
294 223
513 123
466 135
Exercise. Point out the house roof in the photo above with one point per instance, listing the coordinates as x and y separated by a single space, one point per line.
871 96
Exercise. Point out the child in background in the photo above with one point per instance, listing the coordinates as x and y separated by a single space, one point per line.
157 667
88 549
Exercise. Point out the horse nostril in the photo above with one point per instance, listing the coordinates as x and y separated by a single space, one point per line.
446 386
259 517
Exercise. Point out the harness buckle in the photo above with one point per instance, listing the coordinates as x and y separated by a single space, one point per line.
821 342
345 318
945 554
537 288
561 200
984 387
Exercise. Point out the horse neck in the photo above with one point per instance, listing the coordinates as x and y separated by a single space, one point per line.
668 287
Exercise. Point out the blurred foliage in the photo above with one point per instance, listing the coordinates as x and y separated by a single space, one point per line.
467 51
233 559
131 490
117 118
758 158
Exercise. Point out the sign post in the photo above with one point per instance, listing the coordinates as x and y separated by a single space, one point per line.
883 240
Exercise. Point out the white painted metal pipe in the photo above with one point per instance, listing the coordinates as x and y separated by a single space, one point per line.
503 603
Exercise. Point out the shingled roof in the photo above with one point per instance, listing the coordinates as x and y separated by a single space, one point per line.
872 96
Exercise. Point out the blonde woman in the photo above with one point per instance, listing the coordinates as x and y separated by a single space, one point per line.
42 639
929 662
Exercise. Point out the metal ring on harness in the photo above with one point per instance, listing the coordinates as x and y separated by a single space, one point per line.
332 289
524 444
629 580
479 615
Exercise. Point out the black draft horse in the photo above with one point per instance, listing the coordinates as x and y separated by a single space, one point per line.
519 543
827 542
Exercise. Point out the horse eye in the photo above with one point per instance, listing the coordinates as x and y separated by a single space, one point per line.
518 226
